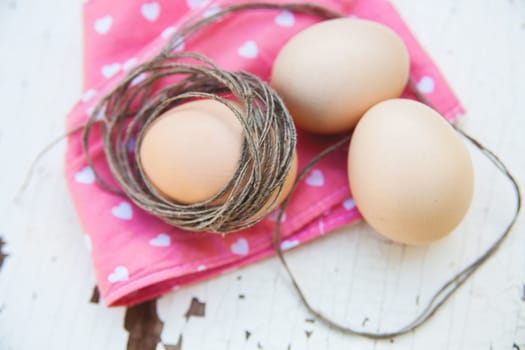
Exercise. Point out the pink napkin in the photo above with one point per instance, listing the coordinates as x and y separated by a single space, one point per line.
137 256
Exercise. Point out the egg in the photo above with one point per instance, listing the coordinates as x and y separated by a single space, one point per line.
409 172
191 152
329 74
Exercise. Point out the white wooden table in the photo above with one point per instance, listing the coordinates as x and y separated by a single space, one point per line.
47 279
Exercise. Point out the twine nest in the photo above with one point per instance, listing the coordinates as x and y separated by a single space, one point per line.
267 150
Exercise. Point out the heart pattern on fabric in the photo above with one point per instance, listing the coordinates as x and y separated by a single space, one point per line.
248 50
178 45
274 214
85 175
103 25
426 85
150 11
122 211
166 33
349 204
162 240
120 274
110 70
88 95
201 268
138 79
285 19
129 63
211 11
285 245
193 4
240 247
316 178
100 115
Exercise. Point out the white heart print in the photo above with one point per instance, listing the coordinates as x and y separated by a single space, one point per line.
211 11
88 95
248 49
285 19
349 204
201 268
150 11
316 178
426 85
85 175
138 79
240 247
119 274
110 70
166 33
274 214
285 245
100 115
129 63
162 240
103 25
179 45
122 211
193 4
131 144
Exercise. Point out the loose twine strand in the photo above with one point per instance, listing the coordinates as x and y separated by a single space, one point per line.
267 152
448 288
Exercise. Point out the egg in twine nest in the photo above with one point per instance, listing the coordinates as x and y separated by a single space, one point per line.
267 153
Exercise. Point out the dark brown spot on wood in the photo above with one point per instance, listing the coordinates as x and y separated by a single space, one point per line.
309 320
247 335
392 340
259 346
2 254
95 296
239 277
177 346
515 346
197 309
308 333
242 296
143 325
365 321
289 347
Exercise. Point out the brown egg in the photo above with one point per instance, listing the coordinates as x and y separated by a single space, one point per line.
191 152
410 173
329 74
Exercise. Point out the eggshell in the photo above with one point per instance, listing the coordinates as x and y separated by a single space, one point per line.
191 152
410 173
329 74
